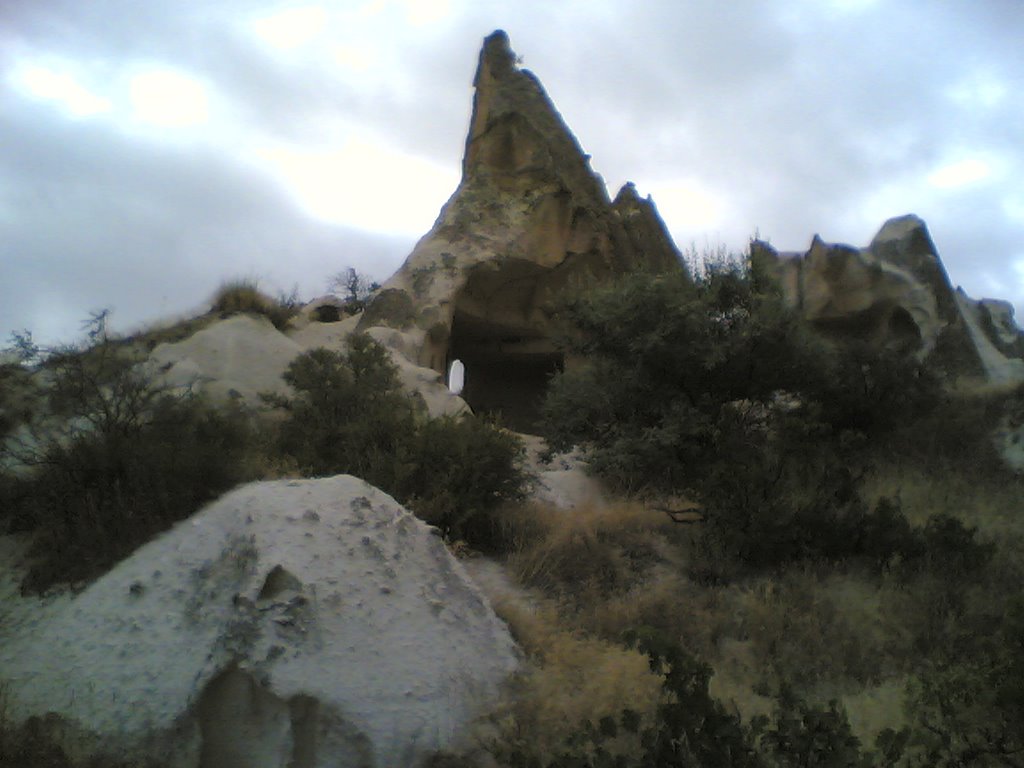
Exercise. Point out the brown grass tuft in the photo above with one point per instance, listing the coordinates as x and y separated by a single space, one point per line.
244 295
570 680
590 548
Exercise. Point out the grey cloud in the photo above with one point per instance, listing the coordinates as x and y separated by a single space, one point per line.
797 115
94 220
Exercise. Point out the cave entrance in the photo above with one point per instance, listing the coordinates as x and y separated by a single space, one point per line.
501 331
507 369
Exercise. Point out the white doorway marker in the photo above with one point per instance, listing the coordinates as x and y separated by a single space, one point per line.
456 377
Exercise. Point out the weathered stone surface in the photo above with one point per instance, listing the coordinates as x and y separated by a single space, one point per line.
529 221
896 293
997 318
243 356
232 359
644 226
999 347
291 623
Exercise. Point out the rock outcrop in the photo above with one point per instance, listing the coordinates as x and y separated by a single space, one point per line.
233 359
529 221
291 623
896 293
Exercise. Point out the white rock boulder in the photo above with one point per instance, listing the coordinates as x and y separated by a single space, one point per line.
236 358
291 623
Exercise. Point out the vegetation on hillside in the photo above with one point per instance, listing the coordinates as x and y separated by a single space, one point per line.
813 577
350 414
852 596
110 459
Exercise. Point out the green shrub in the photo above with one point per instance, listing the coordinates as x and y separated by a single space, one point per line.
678 374
244 295
946 547
114 460
693 728
799 734
459 470
350 414
967 704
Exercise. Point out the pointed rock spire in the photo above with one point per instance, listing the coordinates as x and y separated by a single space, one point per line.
529 221
516 136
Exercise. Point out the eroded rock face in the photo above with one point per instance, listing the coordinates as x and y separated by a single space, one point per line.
292 623
896 293
529 221
232 359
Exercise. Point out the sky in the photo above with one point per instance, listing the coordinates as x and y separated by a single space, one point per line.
150 151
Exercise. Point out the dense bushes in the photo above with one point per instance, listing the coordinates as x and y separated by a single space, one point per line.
967 703
760 516
680 374
112 460
692 728
715 389
351 415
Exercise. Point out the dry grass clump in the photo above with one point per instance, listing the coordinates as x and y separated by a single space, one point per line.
570 683
592 548
244 295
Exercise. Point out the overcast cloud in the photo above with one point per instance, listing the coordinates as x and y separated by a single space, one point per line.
149 151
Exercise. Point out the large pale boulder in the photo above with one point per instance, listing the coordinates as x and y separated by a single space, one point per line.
896 293
239 358
291 623
529 221
232 359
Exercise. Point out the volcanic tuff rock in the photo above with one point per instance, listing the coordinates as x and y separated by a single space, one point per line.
291 623
896 293
234 358
529 220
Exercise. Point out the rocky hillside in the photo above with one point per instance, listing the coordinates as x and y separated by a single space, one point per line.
148 612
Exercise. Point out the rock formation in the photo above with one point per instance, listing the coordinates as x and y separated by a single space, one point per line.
291 623
896 293
234 358
529 221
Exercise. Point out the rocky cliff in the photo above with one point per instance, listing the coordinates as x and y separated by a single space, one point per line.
529 221
896 293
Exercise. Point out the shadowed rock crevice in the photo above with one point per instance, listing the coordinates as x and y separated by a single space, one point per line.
278 581
244 725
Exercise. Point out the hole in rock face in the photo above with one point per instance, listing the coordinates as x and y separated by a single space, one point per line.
279 580
903 331
506 370
502 329
882 324
327 313
244 725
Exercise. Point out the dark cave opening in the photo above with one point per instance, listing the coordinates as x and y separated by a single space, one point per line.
507 369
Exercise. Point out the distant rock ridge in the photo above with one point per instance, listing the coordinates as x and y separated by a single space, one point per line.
529 221
896 293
